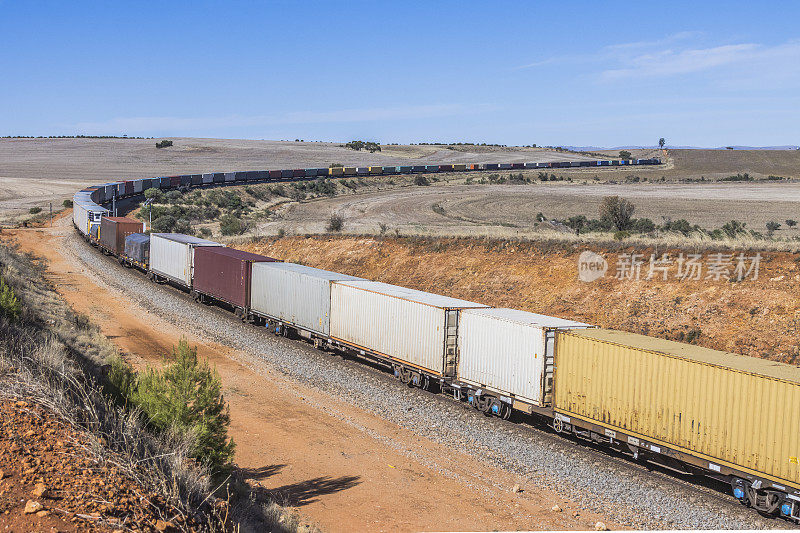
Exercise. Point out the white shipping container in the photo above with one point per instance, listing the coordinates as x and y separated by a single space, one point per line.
172 255
138 186
406 325
510 352
86 211
294 294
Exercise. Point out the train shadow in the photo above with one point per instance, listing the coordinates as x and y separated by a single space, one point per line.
262 472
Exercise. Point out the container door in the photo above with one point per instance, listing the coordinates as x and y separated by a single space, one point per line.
450 342
549 367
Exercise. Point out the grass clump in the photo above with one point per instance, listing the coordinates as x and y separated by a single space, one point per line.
10 306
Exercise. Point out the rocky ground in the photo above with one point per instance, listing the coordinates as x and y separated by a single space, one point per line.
52 479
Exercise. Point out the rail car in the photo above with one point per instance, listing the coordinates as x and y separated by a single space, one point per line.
690 409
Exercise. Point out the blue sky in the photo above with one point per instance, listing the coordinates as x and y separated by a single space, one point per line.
551 73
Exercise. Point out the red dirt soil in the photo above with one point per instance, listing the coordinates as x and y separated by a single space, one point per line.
49 480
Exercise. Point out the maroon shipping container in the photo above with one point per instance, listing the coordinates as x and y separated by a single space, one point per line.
274 174
299 173
113 231
128 187
175 181
224 274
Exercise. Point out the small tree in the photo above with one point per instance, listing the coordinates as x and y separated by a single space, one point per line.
67 203
791 223
577 223
10 306
188 395
772 227
335 223
34 210
154 194
618 210
733 228
421 180
624 154
662 142
230 225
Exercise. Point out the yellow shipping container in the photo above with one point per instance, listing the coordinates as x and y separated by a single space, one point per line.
728 409
376 170
348 171
335 171
459 167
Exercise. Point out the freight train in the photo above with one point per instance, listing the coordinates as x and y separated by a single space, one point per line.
690 409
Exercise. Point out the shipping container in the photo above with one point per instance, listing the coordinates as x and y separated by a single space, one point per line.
172 256
208 178
128 187
113 231
196 179
445 168
225 274
298 173
362 171
174 182
239 176
311 173
138 186
219 177
287 173
274 174
530 165
728 411
491 166
185 180
322 171
230 177
294 294
376 170
474 166
418 168
87 213
137 248
510 352
405 169
349 171
412 327
147 183
336 171
459 167
517 165
431 168
390 170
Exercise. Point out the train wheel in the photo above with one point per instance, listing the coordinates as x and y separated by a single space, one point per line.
505 412
558 425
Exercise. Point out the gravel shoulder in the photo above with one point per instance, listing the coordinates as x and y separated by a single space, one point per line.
587 481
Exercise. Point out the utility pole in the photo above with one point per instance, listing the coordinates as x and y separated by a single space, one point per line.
51 214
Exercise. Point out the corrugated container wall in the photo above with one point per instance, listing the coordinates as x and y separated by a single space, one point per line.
509 351
295 294
225 274
736 411
172 255
415 327
137 247
113 231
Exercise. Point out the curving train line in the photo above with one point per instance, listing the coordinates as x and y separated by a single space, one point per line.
689 409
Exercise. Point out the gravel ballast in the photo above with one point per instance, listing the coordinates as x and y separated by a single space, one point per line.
598 481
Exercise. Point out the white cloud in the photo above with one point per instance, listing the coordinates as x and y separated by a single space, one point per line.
137 125
677 62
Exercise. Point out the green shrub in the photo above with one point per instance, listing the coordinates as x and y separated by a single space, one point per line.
335 223
733 228
163 144
772 227
231 225
621 235
577 223
205 232
10 306
739 177
421 180
163 224
186 395
67 203
643 225
791 223
154 194
34 210
624 154
618 210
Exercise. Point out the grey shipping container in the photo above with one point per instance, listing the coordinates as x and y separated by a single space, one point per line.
137 248
138 186
405 325
294 294
510 352
230 176
208 178
172 256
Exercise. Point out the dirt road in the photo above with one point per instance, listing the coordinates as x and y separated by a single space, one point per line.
344 468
